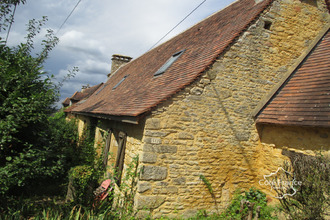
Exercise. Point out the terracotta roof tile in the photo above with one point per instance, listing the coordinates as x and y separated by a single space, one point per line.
203 42
69 108
92 89
85 93
66 102
78 96
305 98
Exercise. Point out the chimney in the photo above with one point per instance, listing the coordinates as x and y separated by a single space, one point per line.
84 87
118 61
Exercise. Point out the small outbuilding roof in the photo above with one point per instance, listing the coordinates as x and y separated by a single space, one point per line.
66 102
136 88
78 96
304 99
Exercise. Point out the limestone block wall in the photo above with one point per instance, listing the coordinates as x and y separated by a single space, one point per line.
134 134
133 146
309 140
207 129
82 123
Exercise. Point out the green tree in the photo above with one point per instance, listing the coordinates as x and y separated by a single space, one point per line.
34 147
26 93
26 98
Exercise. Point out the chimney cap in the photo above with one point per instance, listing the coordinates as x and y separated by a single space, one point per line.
121 57
85 86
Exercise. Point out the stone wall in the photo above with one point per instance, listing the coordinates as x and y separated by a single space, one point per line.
134 134
82 123
133 142
301 139
207 129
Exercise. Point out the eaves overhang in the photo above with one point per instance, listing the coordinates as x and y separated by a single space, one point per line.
125 119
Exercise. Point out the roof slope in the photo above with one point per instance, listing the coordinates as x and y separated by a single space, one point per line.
305 98
202 43
85 93
66 102
78 96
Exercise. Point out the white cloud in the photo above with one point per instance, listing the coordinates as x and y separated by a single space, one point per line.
77 43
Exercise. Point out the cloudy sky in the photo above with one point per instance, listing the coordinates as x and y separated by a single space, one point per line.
99 28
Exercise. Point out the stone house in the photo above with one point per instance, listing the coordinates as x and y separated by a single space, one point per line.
198 105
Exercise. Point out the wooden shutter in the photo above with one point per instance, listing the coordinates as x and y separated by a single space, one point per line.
106 149
120 156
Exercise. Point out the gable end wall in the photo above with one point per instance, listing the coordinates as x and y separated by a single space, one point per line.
207 129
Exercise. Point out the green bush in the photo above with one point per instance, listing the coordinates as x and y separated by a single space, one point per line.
83 182
87 171
255 196
30 155
40 169
123 204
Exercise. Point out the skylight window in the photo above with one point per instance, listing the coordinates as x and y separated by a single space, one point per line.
168 63
100 90
118 84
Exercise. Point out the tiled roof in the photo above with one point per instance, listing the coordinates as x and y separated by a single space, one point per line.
78 96
92 89
203 43
70 108
85 93
66 102
305 99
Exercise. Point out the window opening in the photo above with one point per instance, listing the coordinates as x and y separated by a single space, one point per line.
118 84
267 25
169 62
100 90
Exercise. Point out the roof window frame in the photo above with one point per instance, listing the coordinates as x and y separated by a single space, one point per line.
100 90
120 82
169 62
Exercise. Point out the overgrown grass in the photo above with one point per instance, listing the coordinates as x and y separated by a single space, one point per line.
57 211
115 206
53 210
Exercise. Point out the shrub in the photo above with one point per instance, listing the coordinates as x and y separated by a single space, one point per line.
82 183
88 170
311 200
237 210
40 169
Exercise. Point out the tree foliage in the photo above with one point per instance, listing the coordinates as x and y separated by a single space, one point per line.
26 94
34 146
6 12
